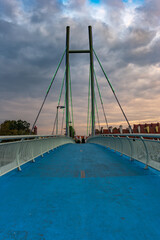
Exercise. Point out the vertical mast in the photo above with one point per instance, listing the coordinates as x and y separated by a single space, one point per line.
67 80
92 79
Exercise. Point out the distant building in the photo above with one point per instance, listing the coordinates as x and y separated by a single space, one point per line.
152 128
146 128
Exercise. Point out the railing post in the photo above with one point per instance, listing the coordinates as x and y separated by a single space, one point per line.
115 144
41 149
147 155
112 143
18 153
131 148
49 145
33 160
121 145
107 141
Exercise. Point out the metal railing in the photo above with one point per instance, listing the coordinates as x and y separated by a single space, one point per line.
142 147
18 150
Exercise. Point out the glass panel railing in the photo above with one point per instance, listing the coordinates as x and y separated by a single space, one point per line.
17 150
142 147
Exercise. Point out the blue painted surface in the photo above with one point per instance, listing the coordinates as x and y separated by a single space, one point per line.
49 200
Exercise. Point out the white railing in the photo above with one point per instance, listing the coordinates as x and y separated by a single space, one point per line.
19 150
142 147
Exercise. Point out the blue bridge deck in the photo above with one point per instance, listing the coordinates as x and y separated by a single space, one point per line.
80 191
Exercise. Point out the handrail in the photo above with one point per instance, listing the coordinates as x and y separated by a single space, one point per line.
142 147
147 135
15 137
14 154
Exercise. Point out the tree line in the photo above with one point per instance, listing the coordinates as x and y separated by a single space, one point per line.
13 127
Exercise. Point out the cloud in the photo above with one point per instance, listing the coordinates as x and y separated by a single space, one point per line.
32 41
150 12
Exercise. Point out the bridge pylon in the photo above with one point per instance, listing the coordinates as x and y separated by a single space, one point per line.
68 52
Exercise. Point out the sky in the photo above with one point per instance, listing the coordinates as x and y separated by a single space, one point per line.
126 38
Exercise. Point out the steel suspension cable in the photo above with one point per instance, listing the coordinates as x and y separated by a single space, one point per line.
54 125
60 95
101 99
59 100
63 116
89 104
71 97
48 91
97 112
113 91
90 127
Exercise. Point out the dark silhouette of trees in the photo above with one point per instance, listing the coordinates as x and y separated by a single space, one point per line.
12 127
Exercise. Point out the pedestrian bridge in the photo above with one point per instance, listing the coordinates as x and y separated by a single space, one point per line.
54 189
79 191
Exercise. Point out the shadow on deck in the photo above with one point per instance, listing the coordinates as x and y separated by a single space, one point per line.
80 192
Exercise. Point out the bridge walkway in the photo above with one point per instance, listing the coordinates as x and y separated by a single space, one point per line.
80 192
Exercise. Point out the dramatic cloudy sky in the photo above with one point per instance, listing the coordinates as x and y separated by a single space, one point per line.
126 36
